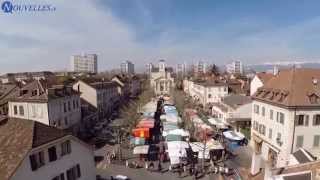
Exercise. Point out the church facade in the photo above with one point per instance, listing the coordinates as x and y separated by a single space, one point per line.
161 79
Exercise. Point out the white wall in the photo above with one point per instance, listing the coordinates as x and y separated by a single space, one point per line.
88 93
80 154
255 84
56 111
32 111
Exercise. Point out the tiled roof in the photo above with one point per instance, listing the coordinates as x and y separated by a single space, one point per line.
292 87
211 83
265 77
42 91
235 100
8 91
17 138
303 156
101 85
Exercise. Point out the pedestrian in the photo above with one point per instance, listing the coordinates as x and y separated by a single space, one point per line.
159 166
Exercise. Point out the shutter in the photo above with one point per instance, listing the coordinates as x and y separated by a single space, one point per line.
69 175
78 171
33 162
306 123
62 176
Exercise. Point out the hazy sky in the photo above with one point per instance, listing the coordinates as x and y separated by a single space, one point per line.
143 31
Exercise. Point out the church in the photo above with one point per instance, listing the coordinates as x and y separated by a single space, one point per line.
161 79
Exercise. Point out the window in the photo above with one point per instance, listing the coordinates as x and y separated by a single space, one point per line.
15 110
271 114
316 120
21 111
280 117
316 141
299 141
270 133
256 109
77 103
52 153
69 106
263 111
300 120
66 121
74 104
279 139
65 148
209 95
74 173
37 160
60 177
65 107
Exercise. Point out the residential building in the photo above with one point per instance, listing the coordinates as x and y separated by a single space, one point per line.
235 67
181 70
305 171
102 96
7 91
258 81
53 105
87 63
124 87
285 117
135 86
200 68
32 150
234 110
161 79
127 67
17 77
149 68
206 91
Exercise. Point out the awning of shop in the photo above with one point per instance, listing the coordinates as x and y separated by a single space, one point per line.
141 132
180 132
146 123
234 136
257 139
141 149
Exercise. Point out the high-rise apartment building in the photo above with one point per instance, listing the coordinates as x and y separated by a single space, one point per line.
127 67
235 67
84 63
200 67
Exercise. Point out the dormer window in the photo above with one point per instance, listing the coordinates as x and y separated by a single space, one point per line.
313 99
34 92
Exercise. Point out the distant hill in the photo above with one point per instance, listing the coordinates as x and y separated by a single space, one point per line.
282 65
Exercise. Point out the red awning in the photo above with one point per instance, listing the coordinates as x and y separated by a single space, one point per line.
145 124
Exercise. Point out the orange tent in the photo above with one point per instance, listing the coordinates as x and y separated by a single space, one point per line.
141 132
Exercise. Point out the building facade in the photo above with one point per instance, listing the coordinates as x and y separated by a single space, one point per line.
234 110
235 67
285 117
127 67
161 79
36 151
102 96
206 92
200 68
57 106
86 63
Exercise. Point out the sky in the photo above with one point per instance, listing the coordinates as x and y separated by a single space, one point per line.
143 31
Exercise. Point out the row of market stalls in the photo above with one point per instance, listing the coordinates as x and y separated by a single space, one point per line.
160 120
